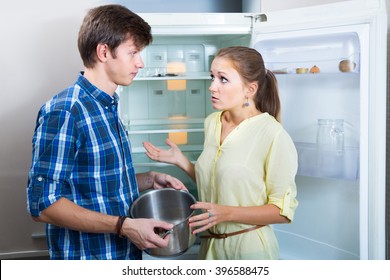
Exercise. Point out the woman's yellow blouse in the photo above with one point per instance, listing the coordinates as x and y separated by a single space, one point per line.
255 165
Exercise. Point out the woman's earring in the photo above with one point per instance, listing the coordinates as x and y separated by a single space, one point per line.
247 102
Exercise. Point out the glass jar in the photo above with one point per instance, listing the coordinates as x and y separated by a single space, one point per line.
330 135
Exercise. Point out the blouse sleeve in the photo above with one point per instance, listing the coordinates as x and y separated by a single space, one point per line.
281 169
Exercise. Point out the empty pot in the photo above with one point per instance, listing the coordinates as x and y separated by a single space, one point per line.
172 206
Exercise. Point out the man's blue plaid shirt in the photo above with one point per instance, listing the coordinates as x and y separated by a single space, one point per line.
81 152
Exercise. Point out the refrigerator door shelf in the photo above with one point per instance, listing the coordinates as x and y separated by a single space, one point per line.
326 52
314 162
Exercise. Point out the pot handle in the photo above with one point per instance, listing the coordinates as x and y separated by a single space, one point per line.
162 232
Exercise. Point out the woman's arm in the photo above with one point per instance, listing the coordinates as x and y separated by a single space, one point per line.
253 215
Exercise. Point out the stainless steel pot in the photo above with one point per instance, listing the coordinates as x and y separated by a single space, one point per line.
172 206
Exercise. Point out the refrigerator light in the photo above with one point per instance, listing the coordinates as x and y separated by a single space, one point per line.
179 138
178 69
176 85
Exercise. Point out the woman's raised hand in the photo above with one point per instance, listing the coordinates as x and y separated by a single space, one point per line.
168 156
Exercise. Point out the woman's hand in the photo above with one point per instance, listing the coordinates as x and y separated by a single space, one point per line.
173 156
212 215
168 156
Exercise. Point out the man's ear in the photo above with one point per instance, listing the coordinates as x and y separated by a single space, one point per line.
102 51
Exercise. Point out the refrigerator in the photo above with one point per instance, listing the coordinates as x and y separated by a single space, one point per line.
330 63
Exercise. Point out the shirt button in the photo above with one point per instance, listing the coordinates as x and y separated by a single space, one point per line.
106 107
40 179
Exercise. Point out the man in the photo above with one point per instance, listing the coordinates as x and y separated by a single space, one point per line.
82 180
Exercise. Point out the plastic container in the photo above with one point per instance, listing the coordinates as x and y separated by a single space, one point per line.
330 135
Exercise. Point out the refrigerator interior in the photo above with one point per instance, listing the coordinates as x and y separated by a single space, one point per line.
152 112
167 102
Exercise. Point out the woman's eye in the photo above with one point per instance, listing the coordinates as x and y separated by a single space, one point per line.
212 77
224 80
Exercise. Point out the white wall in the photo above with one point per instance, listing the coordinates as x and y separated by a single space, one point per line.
39 57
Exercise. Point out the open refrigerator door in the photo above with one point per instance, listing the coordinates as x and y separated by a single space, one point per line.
331 74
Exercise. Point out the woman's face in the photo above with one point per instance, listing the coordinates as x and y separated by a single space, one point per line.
227 89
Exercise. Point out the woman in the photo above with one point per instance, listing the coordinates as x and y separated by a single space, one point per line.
246 172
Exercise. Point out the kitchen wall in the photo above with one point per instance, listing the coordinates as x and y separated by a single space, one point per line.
39 57
388 139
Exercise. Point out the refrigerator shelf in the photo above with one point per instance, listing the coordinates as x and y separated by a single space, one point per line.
316 75
332 53
165 128
186 149
136 124
142 160
189 76
314 162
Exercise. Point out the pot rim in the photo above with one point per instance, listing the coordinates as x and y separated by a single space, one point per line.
159 190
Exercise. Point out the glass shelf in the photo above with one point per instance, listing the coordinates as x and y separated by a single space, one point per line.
165 128
313 162
330 52
188 76
142 160
317 75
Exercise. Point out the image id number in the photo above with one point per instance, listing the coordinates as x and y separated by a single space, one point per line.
238 270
